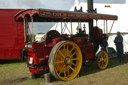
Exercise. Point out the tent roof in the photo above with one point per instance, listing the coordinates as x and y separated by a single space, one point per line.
45 15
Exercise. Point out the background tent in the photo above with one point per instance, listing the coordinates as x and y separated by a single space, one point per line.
119 25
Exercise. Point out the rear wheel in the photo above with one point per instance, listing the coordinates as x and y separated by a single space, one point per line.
102 60
65 60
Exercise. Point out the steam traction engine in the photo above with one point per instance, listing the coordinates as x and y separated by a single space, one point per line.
60 54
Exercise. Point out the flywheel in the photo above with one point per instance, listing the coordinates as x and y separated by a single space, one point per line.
65 60
102 60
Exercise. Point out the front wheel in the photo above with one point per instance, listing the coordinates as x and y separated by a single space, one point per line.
102 60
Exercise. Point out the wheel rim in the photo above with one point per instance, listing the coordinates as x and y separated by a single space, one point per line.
67 61
102 60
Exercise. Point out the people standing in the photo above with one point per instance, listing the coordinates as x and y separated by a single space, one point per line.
119 46
104 43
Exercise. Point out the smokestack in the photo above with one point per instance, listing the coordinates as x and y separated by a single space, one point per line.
90 10
90 6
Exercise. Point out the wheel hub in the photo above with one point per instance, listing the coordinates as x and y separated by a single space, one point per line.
67 60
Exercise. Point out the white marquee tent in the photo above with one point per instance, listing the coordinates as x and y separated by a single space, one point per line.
115 9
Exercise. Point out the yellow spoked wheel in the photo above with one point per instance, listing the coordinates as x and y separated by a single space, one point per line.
102 60
65 60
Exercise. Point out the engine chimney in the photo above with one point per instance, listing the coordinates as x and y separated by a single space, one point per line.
90 10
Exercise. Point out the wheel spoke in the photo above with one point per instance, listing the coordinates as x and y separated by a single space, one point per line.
73 54
104 59
101 56
104 56
103 64
75 59
72 49
61 69
62 54
67 70
64 73
58 62
72 68
67 50
73 64
68 73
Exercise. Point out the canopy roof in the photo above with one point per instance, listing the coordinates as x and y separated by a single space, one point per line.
45 15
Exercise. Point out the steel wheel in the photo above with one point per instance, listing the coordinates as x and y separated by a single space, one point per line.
102 60
65 60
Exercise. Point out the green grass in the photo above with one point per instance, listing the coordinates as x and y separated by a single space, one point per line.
16 73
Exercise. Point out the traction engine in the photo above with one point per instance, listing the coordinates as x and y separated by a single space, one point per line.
60 54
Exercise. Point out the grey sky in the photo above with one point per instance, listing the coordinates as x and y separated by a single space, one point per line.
46 4
49 4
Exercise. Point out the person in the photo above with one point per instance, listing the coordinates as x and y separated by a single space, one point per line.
104 45
119 46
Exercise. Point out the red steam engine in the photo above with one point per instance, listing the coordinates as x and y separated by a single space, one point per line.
63 54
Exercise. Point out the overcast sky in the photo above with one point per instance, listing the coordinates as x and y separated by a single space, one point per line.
46 4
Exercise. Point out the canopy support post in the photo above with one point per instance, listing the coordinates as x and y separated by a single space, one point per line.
32 30
111 27
56 25
96 23
61 27
66 27
24 30
71 28
106 27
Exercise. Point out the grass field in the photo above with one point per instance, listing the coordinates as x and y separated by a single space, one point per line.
15 73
